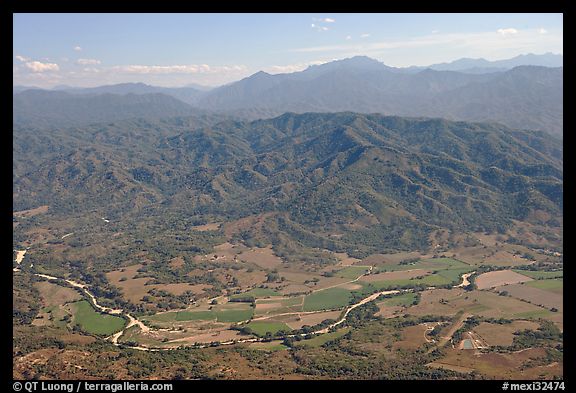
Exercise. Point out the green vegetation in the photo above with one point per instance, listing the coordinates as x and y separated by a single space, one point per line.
331 298
404 299
256 293
539 274
261 328
93 322
351 272
553 285
234 315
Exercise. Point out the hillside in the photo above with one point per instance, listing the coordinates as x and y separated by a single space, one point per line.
60 109
342 181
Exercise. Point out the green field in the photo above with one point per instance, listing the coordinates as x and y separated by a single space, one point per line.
454 275
427 264
351 272
221 315
540 275
93 322
533 314
256 293
327 299
552 285
405 299
322 339
234 315
261 328
430 280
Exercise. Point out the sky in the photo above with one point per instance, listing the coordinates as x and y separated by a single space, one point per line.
86 50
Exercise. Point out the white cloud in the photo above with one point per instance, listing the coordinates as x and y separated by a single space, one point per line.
348 37
177 69
88 61
22 58
542 31
318 27
507 32
91 70
435 31
324 20
365 35
36 66
77 48
488 44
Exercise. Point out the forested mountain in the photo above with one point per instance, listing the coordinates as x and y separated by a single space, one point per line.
342 181
39 108
526 96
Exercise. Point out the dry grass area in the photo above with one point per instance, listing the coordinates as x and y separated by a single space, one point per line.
391 259
399 275
218 335
263 257
497 334
31 212
134 289
505 258
388 311
500 365
254 223
346 260
54 295
176 263
488 304
498 278
533 295
294 289
312 319
412 337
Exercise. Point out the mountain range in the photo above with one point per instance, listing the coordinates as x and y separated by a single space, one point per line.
529 97
343 181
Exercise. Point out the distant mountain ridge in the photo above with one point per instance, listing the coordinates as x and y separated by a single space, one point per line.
365 85
40 108
526 96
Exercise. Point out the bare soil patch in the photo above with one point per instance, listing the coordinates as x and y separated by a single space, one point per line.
31 212
498 278
533 295
207 227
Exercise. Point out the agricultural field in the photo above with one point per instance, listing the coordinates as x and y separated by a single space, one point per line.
327 299
260 328
552 285
534 295
502 334
94 322
405 300
541 275
352 272
498 278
